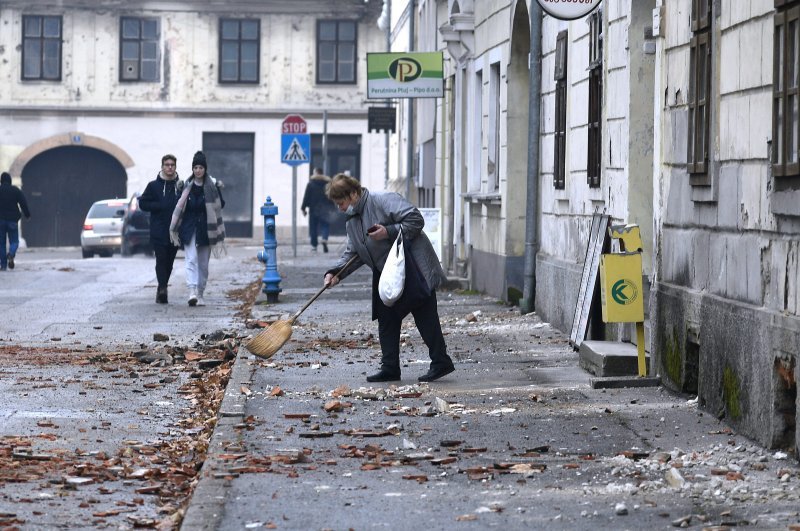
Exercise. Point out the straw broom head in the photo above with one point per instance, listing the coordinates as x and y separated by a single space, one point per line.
270 340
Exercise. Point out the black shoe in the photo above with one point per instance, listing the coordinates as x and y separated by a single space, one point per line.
11 261
435 374
324 247
161 296
383 376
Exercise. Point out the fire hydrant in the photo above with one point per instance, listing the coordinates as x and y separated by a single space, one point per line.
269 255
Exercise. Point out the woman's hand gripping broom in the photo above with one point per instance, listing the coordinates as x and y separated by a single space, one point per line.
270 340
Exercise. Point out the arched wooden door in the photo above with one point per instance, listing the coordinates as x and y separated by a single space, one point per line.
60 185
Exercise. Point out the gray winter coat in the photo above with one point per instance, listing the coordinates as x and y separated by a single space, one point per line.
393 212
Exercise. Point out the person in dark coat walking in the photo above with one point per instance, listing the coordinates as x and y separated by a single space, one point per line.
11 201
320 209
373 222
159 198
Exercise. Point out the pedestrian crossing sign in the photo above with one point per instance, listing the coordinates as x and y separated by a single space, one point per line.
295 149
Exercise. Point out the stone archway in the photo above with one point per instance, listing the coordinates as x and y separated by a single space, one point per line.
74 138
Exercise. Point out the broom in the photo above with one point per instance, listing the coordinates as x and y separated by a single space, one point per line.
270 340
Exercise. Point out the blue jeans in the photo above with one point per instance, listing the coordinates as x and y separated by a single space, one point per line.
318 225
8 229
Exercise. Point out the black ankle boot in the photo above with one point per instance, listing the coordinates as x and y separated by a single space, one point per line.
384 376
161 295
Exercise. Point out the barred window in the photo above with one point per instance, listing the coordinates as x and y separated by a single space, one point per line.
41 48
239 46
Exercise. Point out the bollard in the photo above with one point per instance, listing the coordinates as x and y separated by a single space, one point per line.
269 255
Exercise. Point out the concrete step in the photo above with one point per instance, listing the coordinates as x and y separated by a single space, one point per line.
610 358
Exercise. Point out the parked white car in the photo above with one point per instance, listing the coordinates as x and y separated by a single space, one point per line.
102 228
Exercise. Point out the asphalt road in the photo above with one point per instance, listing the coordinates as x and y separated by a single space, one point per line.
92 434
55 296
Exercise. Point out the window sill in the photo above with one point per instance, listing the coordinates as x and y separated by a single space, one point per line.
494 198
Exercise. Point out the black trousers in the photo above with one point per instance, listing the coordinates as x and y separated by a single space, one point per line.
426 317
165 258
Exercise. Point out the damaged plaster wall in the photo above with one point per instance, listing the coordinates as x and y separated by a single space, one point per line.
727 306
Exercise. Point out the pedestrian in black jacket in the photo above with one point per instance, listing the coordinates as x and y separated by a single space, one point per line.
159 198
320 207
11 201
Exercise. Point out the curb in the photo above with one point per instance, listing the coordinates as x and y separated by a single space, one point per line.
207 504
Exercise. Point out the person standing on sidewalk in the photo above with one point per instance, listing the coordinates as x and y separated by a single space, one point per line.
11 201
320 209
373 222
197 226
159 198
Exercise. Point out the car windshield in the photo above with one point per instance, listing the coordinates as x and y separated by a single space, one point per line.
101 210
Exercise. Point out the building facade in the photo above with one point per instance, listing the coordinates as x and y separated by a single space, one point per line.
679 116
469 149
726 301
95 93
596 144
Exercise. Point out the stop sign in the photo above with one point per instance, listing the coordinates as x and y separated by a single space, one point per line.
294 124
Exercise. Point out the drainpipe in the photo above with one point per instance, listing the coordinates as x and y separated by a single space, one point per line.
386 17
326 167
412 8
528 302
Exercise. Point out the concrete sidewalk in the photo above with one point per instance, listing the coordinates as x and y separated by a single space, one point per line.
516 438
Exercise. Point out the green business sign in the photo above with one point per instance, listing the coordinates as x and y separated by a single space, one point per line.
405 75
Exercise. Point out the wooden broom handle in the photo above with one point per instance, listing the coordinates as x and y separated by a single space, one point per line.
345 266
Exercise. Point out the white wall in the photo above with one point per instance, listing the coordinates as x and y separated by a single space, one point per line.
147 120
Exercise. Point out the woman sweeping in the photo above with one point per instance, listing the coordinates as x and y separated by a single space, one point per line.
197 226
373 222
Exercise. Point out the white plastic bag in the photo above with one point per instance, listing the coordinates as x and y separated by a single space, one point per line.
393 276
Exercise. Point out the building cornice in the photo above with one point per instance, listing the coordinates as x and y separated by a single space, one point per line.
321 8
187 112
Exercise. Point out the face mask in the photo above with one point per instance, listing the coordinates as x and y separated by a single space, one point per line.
350 211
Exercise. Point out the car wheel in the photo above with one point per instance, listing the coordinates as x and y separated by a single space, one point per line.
86 253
